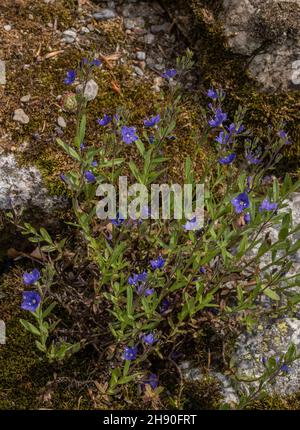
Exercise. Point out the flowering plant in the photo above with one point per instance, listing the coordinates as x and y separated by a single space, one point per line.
155 283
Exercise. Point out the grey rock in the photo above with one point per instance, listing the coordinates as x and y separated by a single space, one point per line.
69 36
269 340
2 73
84 30
23 187
141 56
165 28
61 122
7 27
131 23
91 90
21 116
138 71
105 14
149 38
269 31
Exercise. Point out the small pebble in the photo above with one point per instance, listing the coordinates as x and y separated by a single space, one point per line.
20 116
25 99
69 36
2 73
105 14
140 55
61 122
7 27
138 71
149 38
91 90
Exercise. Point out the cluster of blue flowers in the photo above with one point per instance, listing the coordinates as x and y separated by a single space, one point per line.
31 299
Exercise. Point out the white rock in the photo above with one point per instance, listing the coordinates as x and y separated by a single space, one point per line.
23 187
69 36
91 90
25 99
105 14
61 122
138 71
7 27
140 55
21 116
2 73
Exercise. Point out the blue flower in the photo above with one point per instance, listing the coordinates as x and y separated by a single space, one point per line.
283 135
149 338
164 306
219 118
32 277
247 218
89 176
232 129
149 292
252 158
241 202
96 62
158 264
151 139
94 163
202 270
70 78
137 277
169 74
223 138
212 94
105 120
266 205
118 220
284 368
192 225
152 380
82 147
152 121
128 134
130 353
31 301
63 177
228 159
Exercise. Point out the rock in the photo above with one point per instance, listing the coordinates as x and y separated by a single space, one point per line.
269 32
104 14
61 122
149 38
7 27
84 30
91 90
134 23
140 55
161 27
269 340
2 73
69 36
23 187
227 392
25 99
138 71
20 116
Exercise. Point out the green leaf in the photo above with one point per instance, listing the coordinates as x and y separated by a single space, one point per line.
69 150
272 294
30 327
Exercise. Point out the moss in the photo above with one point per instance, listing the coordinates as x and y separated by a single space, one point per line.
204 394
